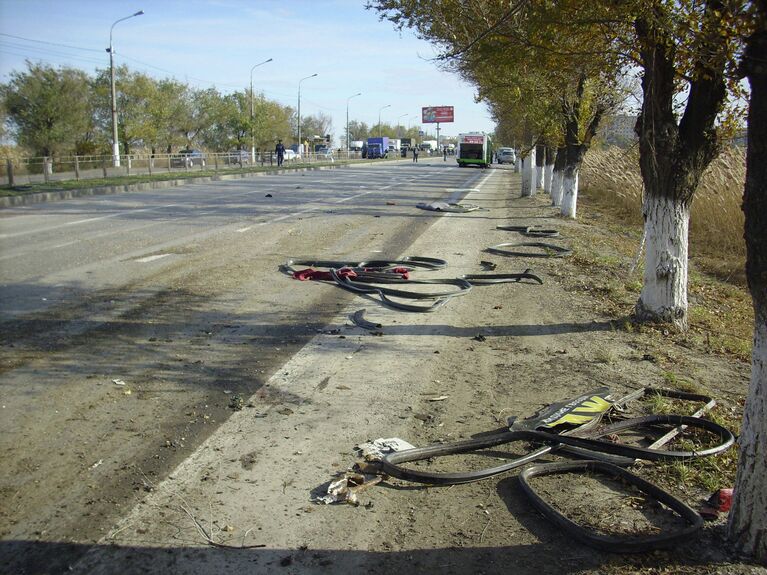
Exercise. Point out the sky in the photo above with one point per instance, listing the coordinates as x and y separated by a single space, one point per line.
209 43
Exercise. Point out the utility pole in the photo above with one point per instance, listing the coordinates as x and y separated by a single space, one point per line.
111 50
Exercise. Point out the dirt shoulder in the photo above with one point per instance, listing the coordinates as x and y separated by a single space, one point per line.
501 350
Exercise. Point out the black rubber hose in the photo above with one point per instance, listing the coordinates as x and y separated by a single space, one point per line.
549 250
612 544
531 231
593 442
490 279
386 293
364 280
582 447
390 464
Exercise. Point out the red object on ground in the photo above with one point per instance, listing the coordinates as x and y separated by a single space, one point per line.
312 274
722 499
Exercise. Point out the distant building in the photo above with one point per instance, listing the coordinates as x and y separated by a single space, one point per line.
618 130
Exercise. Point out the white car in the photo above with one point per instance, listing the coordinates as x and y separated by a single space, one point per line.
290 155
506 156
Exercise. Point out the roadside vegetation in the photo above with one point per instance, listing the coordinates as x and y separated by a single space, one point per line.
721 311
54 112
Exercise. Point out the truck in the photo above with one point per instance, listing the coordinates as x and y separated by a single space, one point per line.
429 146
356 145
394 145
377 147
474 149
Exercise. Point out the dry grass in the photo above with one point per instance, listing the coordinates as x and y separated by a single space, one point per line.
611 177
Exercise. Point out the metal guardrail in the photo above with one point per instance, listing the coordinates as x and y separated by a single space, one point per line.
36 170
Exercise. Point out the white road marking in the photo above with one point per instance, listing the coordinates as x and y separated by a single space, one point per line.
152 258
65 245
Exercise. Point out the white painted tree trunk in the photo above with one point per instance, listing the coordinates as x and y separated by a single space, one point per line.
664 292
748 519
518 164
539 177
557 180
548 175
528 174
569 193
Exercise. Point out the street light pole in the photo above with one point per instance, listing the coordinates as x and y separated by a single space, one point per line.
300 147
398 124
379 118
115 140
347 121
252 128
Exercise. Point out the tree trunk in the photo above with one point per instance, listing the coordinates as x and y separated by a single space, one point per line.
747 526
557 178
540 157
673 156
528 174
664 290
548 169
518 163
570 192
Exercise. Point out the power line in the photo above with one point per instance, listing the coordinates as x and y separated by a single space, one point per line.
50 43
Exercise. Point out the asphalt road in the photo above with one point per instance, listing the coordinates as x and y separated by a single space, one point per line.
176 295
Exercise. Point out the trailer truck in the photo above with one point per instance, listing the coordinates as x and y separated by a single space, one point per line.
474 149
378 147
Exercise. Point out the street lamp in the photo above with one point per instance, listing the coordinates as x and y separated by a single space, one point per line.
347 120
300 147
252 129
398 119
115 141
379 118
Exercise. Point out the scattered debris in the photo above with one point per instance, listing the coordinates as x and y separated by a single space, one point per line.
95 465
285 411
348 488
447 207
236 403
531 231
547 250
479 337
378 448
488 266
358 320
440 398
720 501
118 382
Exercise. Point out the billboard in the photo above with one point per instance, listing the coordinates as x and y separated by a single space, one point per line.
437 114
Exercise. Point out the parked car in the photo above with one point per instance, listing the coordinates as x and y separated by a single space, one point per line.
290 155
506 156
188 158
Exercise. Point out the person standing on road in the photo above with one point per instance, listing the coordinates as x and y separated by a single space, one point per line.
444 154
280 151
415 154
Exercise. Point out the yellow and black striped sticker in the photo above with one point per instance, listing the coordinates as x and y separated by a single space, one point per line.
586 411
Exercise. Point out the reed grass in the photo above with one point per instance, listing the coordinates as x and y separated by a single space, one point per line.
611 177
